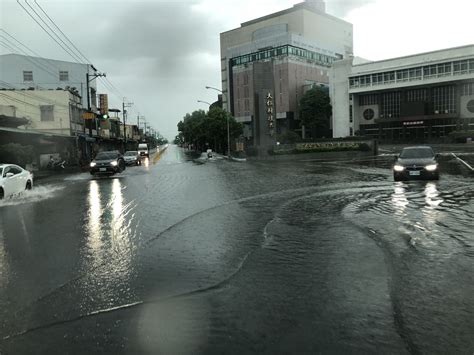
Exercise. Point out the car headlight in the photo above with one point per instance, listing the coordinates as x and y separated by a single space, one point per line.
431 167
93 164
114 163
398 167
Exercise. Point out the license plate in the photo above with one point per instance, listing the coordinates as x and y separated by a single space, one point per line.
103 169
414 173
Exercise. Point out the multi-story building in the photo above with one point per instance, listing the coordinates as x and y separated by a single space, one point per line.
48 111
281 55
22 72
416 97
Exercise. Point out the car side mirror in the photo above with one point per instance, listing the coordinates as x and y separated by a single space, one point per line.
9 175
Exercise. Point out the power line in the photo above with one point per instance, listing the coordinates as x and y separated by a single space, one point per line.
79 59
29 51
64 35
39 24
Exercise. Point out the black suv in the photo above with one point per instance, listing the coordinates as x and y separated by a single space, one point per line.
416 163
107 163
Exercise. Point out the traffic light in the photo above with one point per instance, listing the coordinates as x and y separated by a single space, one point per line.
102 116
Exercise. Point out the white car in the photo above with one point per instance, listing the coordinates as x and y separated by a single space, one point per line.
14 180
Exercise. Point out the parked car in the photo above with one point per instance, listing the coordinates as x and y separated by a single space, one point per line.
132 158
418 162
143 150
111 162
14 180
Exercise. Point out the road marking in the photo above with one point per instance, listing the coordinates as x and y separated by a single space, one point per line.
462 161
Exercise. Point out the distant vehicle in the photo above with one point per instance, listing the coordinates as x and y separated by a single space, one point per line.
111 162
209 153
14 180
143 150
416 163
132 158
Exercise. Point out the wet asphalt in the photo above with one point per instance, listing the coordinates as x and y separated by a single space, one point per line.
305 256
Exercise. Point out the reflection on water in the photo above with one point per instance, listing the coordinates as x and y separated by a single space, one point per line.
108 254
94 213
146 162
399 199
106 227
432 198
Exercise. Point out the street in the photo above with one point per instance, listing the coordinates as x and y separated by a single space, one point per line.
304 256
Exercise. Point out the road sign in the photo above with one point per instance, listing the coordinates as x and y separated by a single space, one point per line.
88 115
104 104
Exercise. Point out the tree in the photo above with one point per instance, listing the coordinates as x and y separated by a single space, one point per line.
209 129
316 110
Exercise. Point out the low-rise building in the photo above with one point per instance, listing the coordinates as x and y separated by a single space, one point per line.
46 111
416 97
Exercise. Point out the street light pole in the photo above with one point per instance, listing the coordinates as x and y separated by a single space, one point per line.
204 102
228 130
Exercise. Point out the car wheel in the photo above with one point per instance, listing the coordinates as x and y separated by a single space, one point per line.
28 185
2 194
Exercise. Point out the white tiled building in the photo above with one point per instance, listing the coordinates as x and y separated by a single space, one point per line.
415 97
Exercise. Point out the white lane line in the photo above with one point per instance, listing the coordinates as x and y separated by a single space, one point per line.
462 161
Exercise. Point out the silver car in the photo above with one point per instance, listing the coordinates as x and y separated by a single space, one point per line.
14 180
132 158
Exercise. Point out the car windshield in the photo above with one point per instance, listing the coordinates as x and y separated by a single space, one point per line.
414 153
106 156
131 153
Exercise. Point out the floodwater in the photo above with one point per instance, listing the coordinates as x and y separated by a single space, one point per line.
266 256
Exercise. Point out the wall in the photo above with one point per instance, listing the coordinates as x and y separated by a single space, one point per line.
298 26
339 93
27 104
45 73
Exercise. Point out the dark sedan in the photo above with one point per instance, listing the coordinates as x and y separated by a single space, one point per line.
107 163
416 163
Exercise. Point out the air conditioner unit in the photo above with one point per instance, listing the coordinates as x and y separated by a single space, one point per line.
389 115
436 112
446 111
382 116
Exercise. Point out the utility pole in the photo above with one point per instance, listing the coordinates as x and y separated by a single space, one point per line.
124 116
89 78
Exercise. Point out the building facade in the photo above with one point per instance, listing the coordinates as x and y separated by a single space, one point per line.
414 98
24 72
280 55
47 111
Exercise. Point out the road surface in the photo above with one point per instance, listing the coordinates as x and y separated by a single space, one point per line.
175 257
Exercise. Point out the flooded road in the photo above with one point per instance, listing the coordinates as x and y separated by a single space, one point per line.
274 257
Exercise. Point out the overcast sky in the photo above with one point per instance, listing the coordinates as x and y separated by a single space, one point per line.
161 54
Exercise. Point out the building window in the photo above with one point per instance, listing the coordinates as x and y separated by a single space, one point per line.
351 131
443 99
63 75
369 99
417 95
391 104
27 75
467 89
47 113
351 119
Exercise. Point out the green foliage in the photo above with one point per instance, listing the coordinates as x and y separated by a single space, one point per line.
14 153
319 148
179 139
288 137
209 129
316 109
